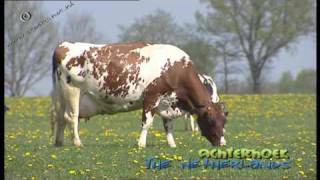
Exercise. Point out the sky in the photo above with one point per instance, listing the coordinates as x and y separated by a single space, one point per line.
109 14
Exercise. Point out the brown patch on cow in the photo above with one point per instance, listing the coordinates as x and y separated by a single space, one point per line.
74 62
60 53
114 59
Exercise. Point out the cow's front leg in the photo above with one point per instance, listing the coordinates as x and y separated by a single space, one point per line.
147 120
223 141
168 126
194 125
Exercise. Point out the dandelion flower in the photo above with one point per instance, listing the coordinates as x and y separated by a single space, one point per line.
53 156
73 172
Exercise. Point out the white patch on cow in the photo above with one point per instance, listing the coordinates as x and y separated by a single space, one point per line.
76 50
223 142
214 95
164 108
95 55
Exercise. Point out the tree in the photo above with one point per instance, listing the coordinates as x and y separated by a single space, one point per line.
261 28
201 53
158 27
286 83
306 81
227 57
28 46
80 27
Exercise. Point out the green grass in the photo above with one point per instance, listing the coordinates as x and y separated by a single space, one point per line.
110 142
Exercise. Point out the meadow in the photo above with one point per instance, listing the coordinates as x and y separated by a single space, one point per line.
110 142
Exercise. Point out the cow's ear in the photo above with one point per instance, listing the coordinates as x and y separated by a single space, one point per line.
226 113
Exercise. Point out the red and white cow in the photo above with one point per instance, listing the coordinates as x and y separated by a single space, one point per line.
94 79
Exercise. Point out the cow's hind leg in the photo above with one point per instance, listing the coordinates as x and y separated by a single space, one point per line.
147 120
168 126
186 122
71 113
60 125
58 122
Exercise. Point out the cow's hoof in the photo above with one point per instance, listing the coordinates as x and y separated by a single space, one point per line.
141 145
58 144
172 145
223 143
77 143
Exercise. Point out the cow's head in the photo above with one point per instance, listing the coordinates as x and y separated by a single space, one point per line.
212 119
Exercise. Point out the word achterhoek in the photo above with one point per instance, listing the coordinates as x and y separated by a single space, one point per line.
244 153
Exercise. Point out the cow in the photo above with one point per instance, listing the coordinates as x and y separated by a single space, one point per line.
90 79
212 89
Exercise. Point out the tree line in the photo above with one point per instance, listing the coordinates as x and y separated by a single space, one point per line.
229 39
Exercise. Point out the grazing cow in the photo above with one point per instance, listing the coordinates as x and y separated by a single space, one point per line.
110 78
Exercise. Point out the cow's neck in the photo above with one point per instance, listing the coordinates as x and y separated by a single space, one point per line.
197 93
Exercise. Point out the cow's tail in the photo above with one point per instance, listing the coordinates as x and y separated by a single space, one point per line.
54 97
54 70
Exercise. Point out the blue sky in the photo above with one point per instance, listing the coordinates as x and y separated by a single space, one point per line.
109 14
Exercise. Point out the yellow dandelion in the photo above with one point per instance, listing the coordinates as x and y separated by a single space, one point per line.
50 166
33 178
301 172
53 156
157 134
82 172
135 161
73 172
27 154
29 165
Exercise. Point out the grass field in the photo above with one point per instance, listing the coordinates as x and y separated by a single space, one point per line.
110 142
